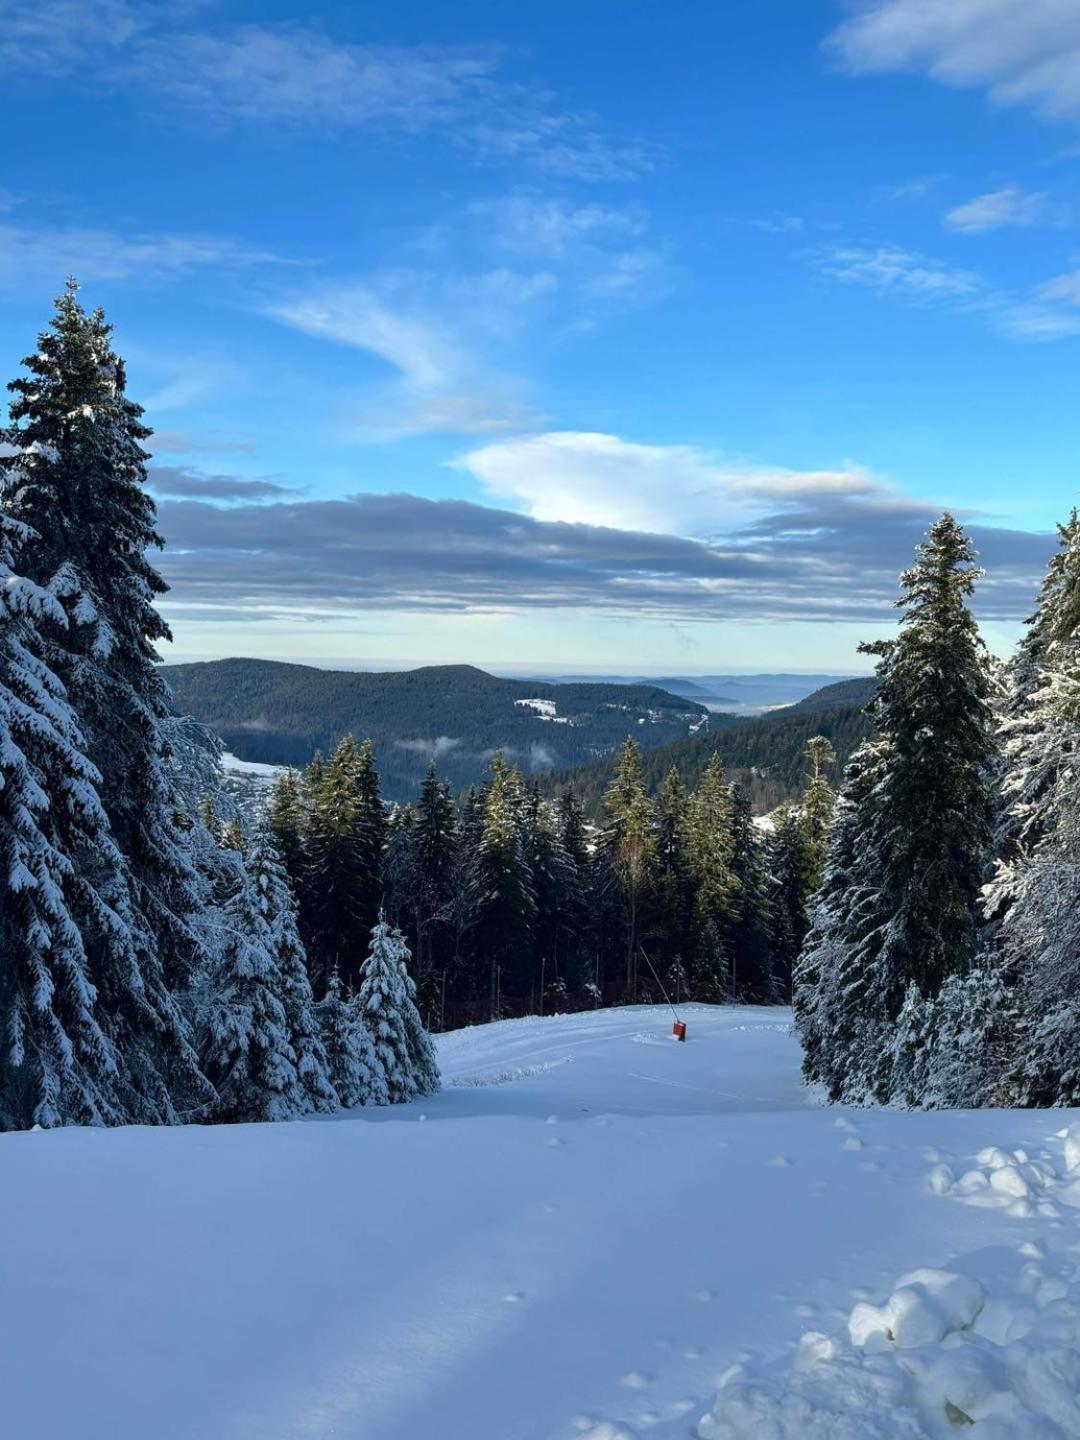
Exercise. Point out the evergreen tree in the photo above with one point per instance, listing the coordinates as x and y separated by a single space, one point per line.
433 836
387 1004
342 861
75 474
748 931
786 889
1032 960
672 887
355 1071
277 908
629 847
717 893
507 900
245 1043
921 830
285 817
818 807
58 1064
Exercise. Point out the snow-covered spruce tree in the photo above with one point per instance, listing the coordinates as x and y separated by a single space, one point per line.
920 832
244 1031
506 900
1033 749
1033 954
839 1006
75 473
354 1067
266 872
58 1064
404 1051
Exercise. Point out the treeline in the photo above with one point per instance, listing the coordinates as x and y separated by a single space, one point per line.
151 969
514 905
943 966
765 755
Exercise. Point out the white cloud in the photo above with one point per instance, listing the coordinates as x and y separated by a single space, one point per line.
553 228
299 76
598 479
1020 51
1044 313
100 254
426 328
998 208
891 268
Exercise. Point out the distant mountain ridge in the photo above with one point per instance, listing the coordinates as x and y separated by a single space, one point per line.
764 753
280 713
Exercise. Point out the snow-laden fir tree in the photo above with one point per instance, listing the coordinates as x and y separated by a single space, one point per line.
387 1003
506 907
277 907
58 1064
900 894
1032 959
354 1067
245 1039
74 471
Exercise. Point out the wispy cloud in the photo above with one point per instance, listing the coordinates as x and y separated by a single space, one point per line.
892 269
417 323
30 250
298 76
1019 51
999 208
1047 312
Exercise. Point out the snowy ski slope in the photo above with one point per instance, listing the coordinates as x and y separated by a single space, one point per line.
588 1233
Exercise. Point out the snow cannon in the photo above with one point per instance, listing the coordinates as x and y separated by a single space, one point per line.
679 1029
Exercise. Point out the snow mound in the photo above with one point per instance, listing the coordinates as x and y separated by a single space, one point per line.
945 1351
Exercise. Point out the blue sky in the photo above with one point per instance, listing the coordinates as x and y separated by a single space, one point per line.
611 335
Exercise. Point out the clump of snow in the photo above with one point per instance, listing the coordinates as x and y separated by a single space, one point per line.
947 1350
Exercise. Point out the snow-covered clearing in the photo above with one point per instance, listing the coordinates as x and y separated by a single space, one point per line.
581 1236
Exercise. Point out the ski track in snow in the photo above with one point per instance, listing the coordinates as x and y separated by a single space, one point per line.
593 1233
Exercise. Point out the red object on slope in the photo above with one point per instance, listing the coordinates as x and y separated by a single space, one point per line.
679 1029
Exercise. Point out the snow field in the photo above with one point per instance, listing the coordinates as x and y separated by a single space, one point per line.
592 1231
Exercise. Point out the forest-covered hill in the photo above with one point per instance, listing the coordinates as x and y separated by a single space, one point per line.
278 713
764 754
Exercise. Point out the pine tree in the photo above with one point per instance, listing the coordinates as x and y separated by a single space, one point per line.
75 474
432 846
285 817
277 907
629 847
507 904
818 807
355 1071
58 1064
748 932
672 886
245 1043
786 888
387 1004
915 839
717 893
342 861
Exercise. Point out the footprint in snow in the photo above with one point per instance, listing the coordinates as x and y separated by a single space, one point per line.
852 1143
693 1352
552 1120
515 1297
554 1141
779 1162
705 1296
